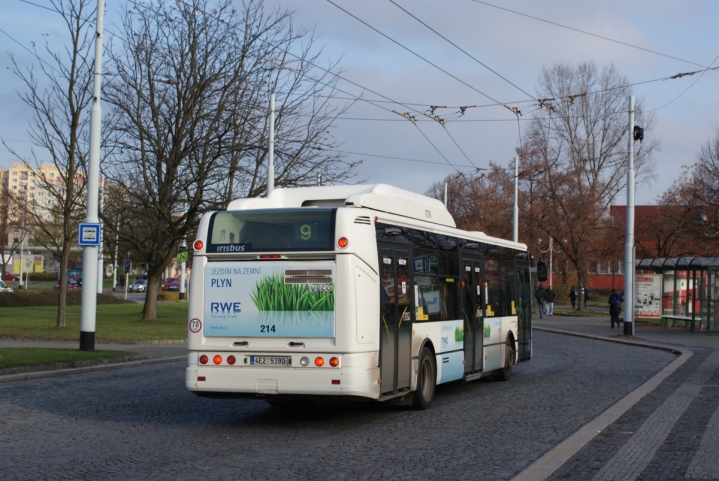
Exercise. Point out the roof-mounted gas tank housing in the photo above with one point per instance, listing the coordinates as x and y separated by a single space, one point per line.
379 197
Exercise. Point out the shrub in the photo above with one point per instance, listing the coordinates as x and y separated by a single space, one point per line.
168 296
50 298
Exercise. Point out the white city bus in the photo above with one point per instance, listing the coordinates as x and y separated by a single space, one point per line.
364 291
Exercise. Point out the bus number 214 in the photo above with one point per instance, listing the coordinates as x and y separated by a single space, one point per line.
267 328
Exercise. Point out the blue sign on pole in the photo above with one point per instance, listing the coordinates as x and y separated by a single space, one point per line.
127 265
89 235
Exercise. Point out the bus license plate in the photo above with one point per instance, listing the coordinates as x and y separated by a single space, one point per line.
270 360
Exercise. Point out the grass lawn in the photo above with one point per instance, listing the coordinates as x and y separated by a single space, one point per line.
114 321
35 356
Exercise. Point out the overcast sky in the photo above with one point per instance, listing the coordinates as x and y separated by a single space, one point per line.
515 46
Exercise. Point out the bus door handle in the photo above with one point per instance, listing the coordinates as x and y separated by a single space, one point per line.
242 343
296 344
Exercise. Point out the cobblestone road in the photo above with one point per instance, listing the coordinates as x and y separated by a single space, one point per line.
141 423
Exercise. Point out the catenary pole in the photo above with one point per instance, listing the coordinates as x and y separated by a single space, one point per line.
89 254
271 154
117 246
629 245
515 208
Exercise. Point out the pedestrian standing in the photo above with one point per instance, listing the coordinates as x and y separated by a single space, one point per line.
573 295
550 301
615 307
541 296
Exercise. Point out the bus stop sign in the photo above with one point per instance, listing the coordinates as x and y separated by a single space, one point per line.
127 265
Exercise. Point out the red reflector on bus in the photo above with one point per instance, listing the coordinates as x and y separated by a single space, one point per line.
198 245
203 359
200 378
217 359
270 256
335 381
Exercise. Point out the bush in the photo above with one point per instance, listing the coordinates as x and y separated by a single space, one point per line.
168 296
42 276
50 298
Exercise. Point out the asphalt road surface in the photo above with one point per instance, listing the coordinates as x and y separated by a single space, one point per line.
141 423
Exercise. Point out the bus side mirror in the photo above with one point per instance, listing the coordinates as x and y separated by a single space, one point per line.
541 271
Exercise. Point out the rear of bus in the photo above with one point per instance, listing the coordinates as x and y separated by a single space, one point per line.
284 302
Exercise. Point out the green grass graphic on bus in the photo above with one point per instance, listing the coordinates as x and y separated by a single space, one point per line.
269 299
273 294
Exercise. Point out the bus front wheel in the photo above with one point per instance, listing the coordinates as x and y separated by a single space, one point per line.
426 381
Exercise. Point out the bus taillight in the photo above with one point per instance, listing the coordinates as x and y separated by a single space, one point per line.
217 359
319 361
334 362
203 359
198 245
342 242
231 360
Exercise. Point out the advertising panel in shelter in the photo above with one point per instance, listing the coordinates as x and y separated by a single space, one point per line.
647 301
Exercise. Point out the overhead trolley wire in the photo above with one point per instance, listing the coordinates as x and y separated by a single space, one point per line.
415 53
588 33
463 51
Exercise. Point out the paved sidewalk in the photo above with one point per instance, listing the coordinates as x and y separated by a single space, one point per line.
600 326
666 429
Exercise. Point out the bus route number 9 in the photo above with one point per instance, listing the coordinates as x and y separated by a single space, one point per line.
306 232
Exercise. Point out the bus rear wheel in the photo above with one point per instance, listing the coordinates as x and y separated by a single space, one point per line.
423 397
506 372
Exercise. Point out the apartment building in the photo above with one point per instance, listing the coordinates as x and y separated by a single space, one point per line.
25 200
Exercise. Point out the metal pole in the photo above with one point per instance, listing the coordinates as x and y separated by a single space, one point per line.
89 254
629 246
271 166
183 268
100 259
117 245
515 214
22 253
551 251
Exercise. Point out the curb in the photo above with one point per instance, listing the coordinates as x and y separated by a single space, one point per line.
70 365
556 457
97 341
27 376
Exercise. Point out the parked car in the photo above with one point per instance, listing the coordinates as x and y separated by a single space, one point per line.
139 285
9 276
4 287
169 282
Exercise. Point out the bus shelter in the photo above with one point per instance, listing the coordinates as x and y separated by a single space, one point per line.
690 290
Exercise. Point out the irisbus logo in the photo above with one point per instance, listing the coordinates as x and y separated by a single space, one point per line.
225 307
232 248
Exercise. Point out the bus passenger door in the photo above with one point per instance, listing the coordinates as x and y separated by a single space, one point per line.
524 313
473 313
395 320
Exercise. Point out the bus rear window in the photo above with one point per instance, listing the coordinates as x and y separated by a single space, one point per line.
272 230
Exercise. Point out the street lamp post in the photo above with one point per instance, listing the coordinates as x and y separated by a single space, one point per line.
551 250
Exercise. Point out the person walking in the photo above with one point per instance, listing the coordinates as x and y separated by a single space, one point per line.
541 295
550 301
615 307
573 295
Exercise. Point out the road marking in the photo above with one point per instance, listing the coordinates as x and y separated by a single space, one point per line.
546 465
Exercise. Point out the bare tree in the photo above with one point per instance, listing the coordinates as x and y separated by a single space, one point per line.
59 96
190 96
578 144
